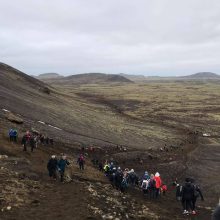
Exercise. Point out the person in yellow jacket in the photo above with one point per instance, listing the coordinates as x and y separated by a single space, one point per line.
106 168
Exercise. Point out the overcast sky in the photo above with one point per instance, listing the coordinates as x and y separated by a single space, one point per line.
151 37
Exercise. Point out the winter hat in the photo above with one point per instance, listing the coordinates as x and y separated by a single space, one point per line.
132 170
53 156
146 173
119 168
187 180
192 180
157 174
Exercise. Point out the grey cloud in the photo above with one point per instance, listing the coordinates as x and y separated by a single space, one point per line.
153 37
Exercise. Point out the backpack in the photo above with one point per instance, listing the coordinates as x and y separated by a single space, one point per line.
152 183
196 191
145 184
81 159
164 188
124 183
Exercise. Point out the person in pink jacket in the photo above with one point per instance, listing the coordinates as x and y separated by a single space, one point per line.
158 183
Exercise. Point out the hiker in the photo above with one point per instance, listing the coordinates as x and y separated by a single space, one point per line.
145 176
132 178
158 184
106 169
91 149
152 186
32 143
10 134
125 173
100 166
62 163
124 184
145 186
24 142
28 136
52 167
187 196
112 176
179 189
15 135
36 140
81 162
111 166
42 139
118 178
197 194
216 213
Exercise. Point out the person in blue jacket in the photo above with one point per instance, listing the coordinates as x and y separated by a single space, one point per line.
62 163
15 135
10 134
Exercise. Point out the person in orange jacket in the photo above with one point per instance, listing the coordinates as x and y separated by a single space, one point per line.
158 184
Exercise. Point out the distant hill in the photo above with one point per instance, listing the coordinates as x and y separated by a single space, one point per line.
134 78
197 77
17 80
92 78
203 75
49 76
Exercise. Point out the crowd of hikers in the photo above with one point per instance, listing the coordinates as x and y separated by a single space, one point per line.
30 138
151 184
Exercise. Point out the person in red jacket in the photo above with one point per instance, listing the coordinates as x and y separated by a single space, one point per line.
158 184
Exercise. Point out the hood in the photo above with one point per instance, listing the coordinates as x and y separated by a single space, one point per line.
157 174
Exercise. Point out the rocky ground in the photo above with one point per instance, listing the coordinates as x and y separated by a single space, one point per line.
27 192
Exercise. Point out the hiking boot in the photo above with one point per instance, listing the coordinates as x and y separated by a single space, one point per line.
185 212
193 212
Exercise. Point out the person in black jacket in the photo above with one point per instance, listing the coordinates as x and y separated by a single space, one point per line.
197 194
152 187
24 142
32 143
187 196
118 178
216 213
52 167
